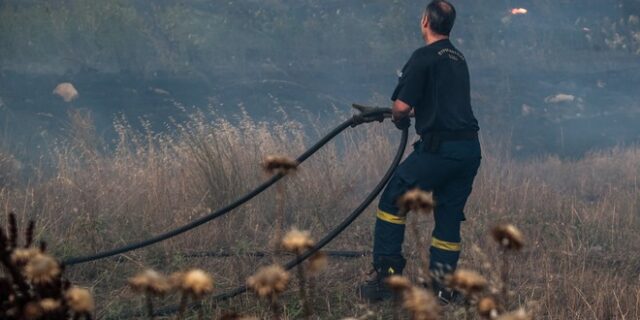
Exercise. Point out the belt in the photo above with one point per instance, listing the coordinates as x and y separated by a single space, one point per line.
433 140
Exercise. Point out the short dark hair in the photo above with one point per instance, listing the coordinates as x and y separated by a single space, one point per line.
441 16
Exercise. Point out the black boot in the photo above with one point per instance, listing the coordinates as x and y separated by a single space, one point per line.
375 289
447 295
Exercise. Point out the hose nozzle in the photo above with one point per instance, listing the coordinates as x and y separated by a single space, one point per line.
369 114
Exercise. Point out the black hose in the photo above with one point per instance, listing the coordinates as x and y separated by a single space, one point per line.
367 115
214 215
262 254
343 225
330 236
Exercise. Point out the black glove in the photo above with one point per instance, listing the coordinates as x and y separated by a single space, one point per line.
373 117
369 114
402 123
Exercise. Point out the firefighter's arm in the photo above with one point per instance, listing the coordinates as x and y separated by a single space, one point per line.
401 112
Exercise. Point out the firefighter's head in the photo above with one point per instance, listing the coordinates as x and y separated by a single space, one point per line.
438 19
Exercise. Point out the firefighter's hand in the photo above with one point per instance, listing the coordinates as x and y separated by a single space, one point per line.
402 123
369 114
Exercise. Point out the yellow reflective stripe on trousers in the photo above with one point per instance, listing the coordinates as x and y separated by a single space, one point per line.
388 217
444 245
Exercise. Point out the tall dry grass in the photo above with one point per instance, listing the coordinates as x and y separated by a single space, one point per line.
580 216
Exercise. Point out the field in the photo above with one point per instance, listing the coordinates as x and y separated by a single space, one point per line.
580 216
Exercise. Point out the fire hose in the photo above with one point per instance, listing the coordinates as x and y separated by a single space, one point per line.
366 115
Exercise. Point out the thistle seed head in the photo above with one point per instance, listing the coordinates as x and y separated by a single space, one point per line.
487 307
50 305
519 314
175 279
297 241
421 304
236 316
32 311
80 300
150 281
398 283
318 262
42 269
20 257
508 237
417 201
279 164
467 281
197 283
269 281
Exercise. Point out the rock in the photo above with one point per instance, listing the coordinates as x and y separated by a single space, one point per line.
560 98
159 91
67 91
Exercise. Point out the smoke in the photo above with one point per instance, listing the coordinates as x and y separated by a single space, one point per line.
546 73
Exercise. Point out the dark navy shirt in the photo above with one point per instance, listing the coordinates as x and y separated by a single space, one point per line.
435 83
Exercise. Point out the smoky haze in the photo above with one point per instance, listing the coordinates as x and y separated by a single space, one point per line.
560 78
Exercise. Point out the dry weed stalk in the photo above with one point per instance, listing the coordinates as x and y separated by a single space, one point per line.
280 165
399 285
34 287
469 283
509 239
421 304
150 283
236 316
316 264
268 283
193 284
417 201
420 203
487 308
519 314
80 301
297 242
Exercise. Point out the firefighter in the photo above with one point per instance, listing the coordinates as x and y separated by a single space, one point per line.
434 89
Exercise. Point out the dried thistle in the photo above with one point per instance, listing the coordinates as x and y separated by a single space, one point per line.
421 304
80 300
279 165
236 316
32 310
519 314
197 283
467 281
487 308
150 281
318 262
297 241
398 284
508 237
42 269
21 257
194 283
13 231
50 305
269 281
417 201
28 234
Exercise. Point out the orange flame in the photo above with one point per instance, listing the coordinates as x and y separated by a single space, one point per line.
517 11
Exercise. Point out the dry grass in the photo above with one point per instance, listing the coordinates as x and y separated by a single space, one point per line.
579 217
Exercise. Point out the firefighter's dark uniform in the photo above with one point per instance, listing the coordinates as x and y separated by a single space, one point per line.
435 83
